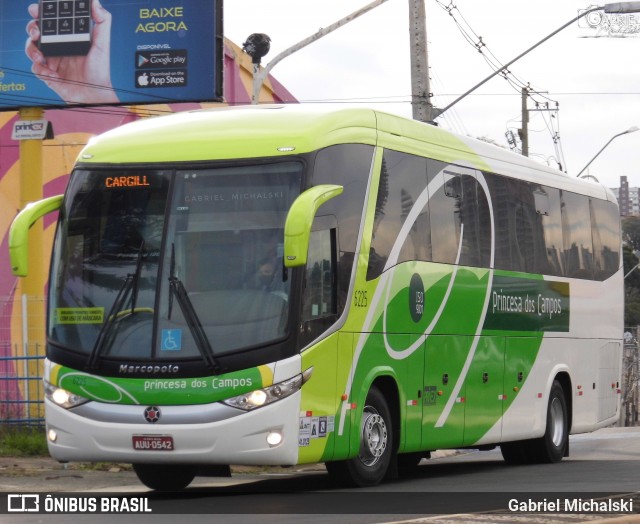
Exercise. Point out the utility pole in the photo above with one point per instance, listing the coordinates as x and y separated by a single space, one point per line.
32 288
423 110
524 131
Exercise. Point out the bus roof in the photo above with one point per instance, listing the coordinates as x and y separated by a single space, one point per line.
281 130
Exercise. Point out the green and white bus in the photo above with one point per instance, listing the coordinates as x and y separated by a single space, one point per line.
283 285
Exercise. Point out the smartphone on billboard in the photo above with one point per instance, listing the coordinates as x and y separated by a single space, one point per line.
65 27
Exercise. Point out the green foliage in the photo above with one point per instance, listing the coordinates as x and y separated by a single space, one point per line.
22 442
631 287
632 307
631 232
630 260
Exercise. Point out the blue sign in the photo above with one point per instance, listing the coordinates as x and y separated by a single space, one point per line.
55 53
171 340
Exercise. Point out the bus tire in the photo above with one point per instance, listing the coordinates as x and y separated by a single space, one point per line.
164 477
376 446
552 446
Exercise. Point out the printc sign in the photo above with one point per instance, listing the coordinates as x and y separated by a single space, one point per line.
30 130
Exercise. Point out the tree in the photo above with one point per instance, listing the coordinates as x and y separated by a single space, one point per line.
631 287
631 232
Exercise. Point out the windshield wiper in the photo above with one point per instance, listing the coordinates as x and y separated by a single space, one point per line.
131 283
135 284
177 290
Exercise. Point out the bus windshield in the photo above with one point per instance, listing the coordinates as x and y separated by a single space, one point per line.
172 264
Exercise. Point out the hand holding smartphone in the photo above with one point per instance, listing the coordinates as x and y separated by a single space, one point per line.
69 45
65 27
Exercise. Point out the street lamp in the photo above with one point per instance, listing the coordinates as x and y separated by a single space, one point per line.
617 7
257 45
632 129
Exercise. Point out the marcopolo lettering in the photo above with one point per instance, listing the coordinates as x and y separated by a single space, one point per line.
128 369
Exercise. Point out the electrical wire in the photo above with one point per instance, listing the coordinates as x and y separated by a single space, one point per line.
23 100
477 42
452 116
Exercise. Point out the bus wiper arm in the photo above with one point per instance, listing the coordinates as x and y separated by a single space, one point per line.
177 290
130 284
106 328
136 278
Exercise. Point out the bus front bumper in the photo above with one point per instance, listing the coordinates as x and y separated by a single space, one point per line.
116 433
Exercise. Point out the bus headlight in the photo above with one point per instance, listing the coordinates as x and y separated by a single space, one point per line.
62 397
262 397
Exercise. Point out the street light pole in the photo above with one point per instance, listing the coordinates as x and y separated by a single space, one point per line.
618 7
631 271
259 75
632 129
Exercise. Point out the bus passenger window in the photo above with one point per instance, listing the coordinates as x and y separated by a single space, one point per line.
605 226
531 206
552 227
319 294
402 197
527 226
348 165
460 219
576 229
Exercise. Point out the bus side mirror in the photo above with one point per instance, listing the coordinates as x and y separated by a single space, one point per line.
297 228
19 232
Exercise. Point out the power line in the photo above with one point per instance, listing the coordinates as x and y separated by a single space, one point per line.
522 88
398 99
55 101
455 120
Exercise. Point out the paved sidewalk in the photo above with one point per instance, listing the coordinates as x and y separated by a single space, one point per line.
40 474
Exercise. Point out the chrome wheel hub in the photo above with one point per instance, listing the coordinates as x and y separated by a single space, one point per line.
374 437
557 422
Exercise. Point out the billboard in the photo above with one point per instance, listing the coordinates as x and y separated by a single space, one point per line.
55 53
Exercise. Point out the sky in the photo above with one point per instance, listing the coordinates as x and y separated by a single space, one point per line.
591 70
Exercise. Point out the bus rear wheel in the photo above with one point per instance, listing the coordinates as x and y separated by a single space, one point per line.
165 477
553 445
376 446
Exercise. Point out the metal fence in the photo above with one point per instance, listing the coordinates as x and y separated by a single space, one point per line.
21 360
630 409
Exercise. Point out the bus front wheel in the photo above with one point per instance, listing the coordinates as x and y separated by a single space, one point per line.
165 477
376 446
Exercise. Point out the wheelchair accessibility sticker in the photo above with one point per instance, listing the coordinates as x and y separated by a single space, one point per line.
171 340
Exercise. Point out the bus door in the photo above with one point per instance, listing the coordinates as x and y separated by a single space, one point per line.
410 378
485 395
520 354
443 409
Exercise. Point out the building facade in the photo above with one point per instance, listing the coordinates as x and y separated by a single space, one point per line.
628 198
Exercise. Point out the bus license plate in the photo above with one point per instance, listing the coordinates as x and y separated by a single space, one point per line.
153 443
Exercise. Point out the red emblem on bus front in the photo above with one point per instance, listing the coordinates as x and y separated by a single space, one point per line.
152 414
